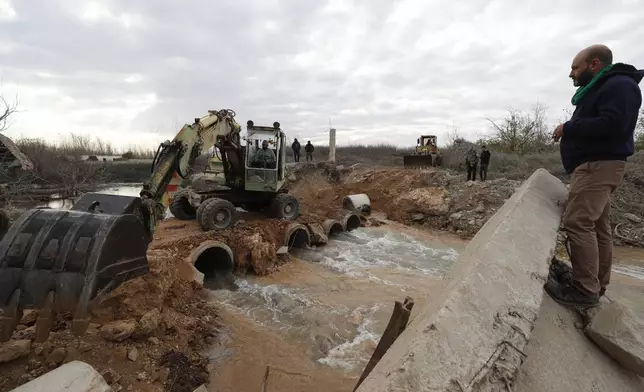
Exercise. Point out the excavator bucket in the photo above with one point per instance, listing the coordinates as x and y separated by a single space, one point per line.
417 161
58 261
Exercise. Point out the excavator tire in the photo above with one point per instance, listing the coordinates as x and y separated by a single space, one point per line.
285 206
59 261
216 214
5 223
181 207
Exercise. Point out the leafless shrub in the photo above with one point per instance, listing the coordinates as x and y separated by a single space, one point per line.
522 133
58 168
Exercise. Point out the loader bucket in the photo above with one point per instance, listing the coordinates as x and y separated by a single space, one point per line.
417 160
59 261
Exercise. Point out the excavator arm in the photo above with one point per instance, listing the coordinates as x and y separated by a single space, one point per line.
66 261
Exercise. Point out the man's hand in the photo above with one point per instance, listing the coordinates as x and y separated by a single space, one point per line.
558 133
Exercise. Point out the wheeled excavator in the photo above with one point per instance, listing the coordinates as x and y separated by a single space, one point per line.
66 261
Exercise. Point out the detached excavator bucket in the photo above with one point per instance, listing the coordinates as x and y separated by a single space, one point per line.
417 160
59 261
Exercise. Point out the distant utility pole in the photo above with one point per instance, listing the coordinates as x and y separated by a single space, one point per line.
331 142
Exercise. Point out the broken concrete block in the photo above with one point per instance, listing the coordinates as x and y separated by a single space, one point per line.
14 349
620 334
72 376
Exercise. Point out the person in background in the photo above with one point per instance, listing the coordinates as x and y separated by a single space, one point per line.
595 144
308 148
471 161
485 161
296 150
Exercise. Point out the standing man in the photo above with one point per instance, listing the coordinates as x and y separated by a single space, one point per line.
471 161
296 150
595 144
308 148
485 161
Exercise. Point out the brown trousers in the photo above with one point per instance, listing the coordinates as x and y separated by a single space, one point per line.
587 223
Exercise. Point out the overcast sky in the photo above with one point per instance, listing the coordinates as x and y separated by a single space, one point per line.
133 71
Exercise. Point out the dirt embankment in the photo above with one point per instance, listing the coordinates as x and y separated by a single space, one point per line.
434 198
442 199
148 335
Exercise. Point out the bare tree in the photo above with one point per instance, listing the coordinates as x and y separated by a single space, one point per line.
6 111
521 132
453 137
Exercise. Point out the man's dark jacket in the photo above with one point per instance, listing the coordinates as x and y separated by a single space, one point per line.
296 146
485 157
602 126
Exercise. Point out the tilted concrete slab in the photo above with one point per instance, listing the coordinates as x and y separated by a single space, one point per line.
562 359
471 336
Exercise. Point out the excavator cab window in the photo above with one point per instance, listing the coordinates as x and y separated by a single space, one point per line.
261 164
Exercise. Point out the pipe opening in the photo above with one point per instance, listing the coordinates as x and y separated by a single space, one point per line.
353 222
298 237
216 264
335 229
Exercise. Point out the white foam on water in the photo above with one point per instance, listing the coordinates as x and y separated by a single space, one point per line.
629 270
349 354
374 255
358 252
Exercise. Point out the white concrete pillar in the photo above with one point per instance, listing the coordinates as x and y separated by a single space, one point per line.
332 145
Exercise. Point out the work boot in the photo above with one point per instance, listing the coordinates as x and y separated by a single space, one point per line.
562 273
567 294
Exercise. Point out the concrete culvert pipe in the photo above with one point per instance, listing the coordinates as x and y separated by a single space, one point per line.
297 236
332 227
351 221
215 260
359 203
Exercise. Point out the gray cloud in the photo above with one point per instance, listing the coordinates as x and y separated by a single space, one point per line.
383 71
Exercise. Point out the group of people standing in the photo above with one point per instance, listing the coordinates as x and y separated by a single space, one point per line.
474 160
308 148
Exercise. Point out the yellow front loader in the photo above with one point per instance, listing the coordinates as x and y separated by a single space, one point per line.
425 154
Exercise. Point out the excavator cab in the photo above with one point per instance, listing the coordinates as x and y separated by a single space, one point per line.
265 158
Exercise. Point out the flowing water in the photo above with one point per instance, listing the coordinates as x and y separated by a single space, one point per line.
327 308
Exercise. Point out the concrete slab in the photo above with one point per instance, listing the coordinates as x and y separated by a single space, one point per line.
74 376
471 336
620 333
560 358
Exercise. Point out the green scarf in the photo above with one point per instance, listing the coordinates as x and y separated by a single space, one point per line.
581 91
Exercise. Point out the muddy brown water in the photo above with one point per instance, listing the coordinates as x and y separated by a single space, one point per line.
317 320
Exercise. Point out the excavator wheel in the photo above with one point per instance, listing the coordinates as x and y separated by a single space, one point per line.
181 207
58 261
5 222
285 206
216 214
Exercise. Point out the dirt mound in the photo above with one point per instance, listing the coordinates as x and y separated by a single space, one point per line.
130 332
433 197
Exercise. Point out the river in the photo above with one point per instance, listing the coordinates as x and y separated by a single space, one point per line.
316 321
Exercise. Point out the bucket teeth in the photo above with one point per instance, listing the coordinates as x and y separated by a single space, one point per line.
11 317
81 320
46 317
59 261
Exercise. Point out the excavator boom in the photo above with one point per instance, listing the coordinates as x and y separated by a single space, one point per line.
59 261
